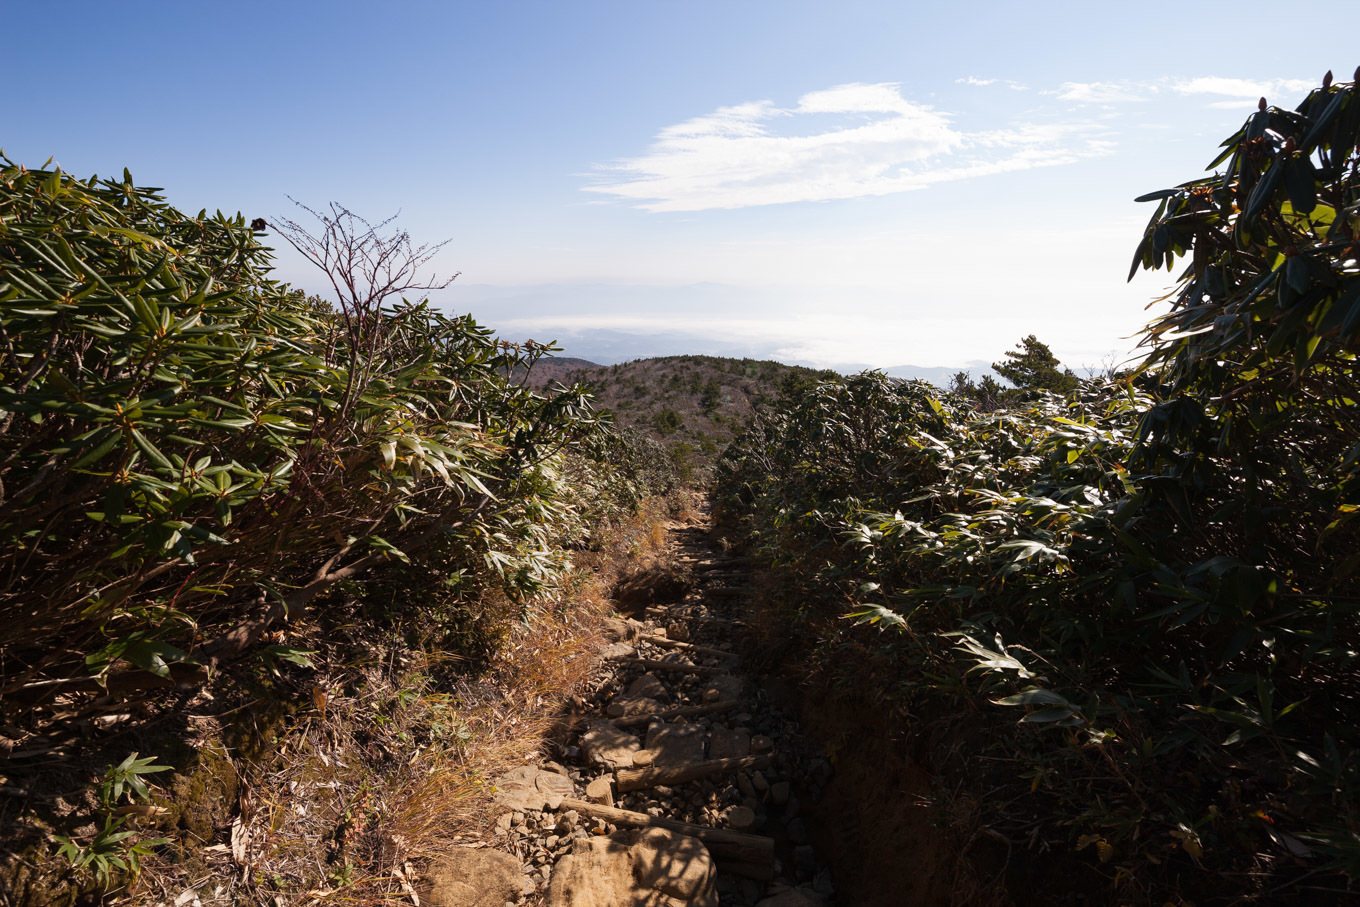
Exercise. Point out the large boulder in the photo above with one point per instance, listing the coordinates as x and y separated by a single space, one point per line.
647 686
607 745
654 867
676 743
468 877
530 788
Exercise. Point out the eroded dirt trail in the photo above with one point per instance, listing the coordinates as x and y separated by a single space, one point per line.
680 782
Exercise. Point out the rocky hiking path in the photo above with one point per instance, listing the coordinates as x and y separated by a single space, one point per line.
679 782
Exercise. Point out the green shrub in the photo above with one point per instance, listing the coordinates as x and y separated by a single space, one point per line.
1156 577
189 449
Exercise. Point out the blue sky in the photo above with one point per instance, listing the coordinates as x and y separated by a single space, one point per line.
858 183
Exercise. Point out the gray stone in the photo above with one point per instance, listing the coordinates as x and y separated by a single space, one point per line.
608 745
675 744
531 788
779 793
646 686
722 687
618 630
739 817
724 743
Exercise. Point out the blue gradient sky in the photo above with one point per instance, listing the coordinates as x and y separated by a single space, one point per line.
830 183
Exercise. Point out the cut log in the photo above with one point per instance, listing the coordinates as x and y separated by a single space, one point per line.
654 665
627 779
684 711
722 843
666 642
601 790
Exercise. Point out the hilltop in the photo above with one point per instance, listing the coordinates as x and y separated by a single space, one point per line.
699 401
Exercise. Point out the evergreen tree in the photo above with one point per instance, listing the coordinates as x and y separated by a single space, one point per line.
1032 366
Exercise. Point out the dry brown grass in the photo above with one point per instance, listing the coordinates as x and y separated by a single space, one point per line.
388 761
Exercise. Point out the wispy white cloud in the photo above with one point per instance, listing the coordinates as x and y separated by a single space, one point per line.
1242 88
1008 83
1104 92
1127 91
856 140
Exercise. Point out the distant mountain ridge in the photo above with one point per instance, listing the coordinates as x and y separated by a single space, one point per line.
939 375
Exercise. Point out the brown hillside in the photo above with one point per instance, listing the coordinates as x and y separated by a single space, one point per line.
698 401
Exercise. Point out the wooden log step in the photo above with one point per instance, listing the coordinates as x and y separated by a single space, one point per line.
703 564
684 711
722 843
724 621
666 642
652 664
626 779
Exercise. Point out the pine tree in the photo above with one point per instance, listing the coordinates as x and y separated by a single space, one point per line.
1032 366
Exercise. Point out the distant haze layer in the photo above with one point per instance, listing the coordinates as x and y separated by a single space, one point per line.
799 326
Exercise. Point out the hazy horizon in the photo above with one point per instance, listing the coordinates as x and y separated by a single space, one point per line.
878 183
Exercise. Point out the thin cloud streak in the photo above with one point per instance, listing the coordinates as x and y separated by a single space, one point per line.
878 143
1134 92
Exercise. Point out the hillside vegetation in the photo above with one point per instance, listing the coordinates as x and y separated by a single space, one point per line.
694 403
1120 624
202 471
